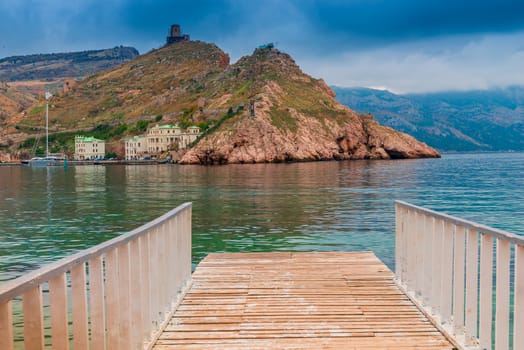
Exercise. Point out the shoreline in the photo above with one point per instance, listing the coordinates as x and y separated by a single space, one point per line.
97 162
159 162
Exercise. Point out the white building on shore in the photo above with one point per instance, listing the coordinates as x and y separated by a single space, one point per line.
135 147
170 137
89 148
159 139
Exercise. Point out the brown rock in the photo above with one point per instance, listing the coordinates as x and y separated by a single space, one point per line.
322 84
247 140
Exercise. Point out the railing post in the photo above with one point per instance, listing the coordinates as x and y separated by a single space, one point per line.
97 303
486 290
428 260
124 288
6 326
154 278
164 271
471 283
518 309
458 279
407 252
411 253
398 242
79 300
177 243
405 248
112 300
33 319
502 296
59 317
145 286
438 228
136 295
446 291
418 246
188 244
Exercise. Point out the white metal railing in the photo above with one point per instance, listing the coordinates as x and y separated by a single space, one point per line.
447 265
117 295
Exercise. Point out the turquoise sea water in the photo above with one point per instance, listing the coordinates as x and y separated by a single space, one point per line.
48 213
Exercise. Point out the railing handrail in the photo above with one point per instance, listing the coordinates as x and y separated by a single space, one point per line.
497 233
16 287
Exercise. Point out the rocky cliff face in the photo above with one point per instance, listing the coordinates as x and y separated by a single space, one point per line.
258 141
296 118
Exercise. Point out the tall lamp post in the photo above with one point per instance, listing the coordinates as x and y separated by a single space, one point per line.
47 97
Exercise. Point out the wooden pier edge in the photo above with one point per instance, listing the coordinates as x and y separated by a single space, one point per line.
431 318
157 333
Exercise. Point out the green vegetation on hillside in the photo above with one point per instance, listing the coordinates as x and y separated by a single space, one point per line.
214 125
37 110
244 88
282 119
64 142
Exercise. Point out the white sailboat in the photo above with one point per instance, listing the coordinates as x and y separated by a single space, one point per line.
48 160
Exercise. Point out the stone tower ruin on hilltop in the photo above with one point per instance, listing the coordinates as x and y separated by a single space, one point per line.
175 35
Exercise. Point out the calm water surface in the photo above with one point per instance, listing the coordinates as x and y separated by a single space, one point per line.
48 213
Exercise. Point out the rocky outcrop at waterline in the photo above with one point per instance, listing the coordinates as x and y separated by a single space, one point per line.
258 141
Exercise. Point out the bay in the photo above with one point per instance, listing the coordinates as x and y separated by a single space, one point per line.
48 213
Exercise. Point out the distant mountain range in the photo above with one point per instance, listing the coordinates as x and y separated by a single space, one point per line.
63 65
490 120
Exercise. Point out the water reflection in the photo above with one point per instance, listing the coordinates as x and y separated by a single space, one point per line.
48 213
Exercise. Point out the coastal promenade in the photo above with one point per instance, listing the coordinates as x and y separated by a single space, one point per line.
137 291
100 162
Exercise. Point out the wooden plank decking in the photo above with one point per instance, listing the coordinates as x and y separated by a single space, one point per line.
297 301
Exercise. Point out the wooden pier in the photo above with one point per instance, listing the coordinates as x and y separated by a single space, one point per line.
324 300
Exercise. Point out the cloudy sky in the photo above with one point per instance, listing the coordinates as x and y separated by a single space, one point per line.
401 45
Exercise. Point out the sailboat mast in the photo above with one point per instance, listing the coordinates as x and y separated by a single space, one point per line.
47 129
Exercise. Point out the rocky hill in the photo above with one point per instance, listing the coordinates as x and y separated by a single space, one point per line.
490 120
261 109
25 79
62 65
295 118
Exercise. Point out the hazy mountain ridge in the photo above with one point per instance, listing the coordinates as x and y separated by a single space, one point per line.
61 65
490 120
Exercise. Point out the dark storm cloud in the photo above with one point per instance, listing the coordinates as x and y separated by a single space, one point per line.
29 26
415 18
386 39
140 22
317 23
358 20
